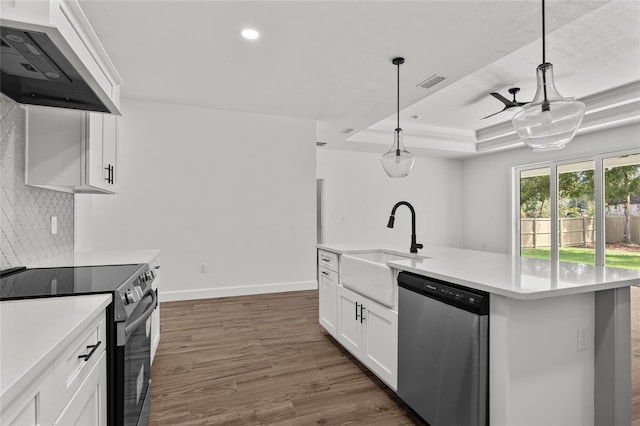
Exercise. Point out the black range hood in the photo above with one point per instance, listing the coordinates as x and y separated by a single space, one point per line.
34 71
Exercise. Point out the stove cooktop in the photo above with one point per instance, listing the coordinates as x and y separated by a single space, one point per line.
70 281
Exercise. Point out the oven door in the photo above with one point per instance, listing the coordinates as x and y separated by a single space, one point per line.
133 364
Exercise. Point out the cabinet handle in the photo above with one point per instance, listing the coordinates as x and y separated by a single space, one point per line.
93 349
109 177
324 272
157 267
325 259
357 310
361 315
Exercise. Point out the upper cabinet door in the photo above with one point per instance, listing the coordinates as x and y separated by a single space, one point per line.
71 151
110 150
101 143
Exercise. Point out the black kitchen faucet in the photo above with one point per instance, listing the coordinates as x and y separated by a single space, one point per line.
414 245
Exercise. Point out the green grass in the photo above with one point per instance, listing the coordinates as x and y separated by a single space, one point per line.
617 259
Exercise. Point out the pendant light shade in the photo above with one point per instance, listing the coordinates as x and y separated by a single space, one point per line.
397 162
550 121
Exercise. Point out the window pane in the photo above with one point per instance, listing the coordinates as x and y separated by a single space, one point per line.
535 226
576 212
622 211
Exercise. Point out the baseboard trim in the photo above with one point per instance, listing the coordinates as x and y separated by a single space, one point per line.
245 290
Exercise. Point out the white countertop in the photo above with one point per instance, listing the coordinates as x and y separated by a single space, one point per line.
512 276
34 331
97 258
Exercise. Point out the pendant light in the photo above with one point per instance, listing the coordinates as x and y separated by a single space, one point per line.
397 162
550 121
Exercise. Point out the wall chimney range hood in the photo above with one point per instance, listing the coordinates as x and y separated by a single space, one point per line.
50 56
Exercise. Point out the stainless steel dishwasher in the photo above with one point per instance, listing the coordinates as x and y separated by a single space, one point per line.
443 338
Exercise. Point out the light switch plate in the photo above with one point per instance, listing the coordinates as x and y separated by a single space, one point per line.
54 225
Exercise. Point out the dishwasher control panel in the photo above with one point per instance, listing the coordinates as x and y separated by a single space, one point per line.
453 294
466 298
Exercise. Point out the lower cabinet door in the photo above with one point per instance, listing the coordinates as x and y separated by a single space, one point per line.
350 325
88 406
380 349
34 406
327 289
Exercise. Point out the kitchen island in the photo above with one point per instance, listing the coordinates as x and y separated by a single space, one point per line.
542 371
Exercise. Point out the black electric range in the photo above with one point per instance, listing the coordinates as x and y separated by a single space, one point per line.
67 281
128 340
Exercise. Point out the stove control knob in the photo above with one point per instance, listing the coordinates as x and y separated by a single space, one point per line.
148 276
152 274
129 297
143 278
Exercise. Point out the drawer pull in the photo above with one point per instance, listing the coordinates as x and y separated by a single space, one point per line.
324 273
326 259
93 349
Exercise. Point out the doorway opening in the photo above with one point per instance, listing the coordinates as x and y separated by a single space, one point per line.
320 211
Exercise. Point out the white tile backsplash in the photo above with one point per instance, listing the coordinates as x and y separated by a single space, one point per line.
25 211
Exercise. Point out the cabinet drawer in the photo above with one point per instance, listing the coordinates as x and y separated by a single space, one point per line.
71 368
328 260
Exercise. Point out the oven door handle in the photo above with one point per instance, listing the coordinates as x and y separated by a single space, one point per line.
146 314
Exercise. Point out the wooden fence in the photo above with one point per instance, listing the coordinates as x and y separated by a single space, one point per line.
574 231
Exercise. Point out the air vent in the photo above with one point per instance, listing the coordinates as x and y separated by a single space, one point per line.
346 131
321 143
430 82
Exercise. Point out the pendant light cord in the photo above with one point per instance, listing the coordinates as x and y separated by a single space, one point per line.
398 99
398 111
544 56
545 103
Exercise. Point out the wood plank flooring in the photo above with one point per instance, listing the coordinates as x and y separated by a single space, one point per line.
265 360
262 360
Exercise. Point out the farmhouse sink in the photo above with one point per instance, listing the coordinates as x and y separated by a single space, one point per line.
367 274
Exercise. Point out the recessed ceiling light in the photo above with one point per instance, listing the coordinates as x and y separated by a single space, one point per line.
250 34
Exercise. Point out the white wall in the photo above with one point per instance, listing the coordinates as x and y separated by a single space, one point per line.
359 196
235 191
487 184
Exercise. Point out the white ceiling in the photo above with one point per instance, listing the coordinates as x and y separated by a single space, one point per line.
331 60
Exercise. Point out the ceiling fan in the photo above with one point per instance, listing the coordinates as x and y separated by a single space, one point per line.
507 103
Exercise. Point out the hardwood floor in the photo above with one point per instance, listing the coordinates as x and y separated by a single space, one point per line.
262 360
635 355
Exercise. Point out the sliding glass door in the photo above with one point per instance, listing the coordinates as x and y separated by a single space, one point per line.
584 210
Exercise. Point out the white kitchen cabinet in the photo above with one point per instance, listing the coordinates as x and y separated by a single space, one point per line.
88 406
34 405
370 332
328 281
70 390
70 369
327 289
381 341
71 151
350 325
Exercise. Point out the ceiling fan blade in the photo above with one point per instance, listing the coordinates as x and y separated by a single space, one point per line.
501 98
495 113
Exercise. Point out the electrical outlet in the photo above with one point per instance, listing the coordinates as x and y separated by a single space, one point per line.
54 225
203 268
583 338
